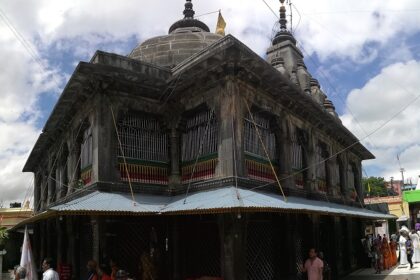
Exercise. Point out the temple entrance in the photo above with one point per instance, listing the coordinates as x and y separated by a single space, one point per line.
199 247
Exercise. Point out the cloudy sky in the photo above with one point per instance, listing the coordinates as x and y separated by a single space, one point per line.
366 56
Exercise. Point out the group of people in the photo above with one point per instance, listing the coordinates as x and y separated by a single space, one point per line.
95 271
383 252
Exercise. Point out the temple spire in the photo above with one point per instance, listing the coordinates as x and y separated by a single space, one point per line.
283 34
188 12
283 20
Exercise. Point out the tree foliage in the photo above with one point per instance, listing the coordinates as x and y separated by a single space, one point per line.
377 187
3 234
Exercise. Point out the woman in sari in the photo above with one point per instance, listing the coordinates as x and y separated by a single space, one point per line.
386 253
393 247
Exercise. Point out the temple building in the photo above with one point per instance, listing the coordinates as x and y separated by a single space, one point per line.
193 156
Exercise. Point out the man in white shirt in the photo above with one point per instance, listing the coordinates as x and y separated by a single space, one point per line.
49 273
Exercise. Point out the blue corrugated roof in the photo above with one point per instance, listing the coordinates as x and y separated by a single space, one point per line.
221 199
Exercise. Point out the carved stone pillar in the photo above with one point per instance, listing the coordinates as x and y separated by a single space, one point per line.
233 238
105 142
230 113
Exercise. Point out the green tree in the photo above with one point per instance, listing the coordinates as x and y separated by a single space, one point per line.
377 186
3 236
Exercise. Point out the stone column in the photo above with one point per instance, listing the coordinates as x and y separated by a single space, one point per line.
95 237
285 153
74 153
59 232
175 177
311 160
44 191
230 114
50 184
2 253
43 250
105 141
176 252
233 233
315 230
71 245
37 192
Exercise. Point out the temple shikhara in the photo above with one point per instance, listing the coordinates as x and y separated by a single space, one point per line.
193 156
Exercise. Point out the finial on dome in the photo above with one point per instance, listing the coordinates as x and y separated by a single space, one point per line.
283 20
188 22
188 12
283 34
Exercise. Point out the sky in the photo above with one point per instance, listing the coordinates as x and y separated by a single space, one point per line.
366 55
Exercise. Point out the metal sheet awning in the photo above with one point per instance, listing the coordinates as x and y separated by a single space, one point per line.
205 202
115 202
210 201
249 200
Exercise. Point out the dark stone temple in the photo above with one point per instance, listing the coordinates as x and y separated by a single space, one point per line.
193 156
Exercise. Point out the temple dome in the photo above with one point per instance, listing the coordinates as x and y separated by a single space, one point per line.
170 50
186 37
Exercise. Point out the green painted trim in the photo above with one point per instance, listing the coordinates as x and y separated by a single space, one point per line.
144 162
87 168
200 159
411 196
257 158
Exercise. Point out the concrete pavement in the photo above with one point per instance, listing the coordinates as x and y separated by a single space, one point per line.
402 272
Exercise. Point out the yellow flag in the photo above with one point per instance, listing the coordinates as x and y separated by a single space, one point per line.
221 24
368 187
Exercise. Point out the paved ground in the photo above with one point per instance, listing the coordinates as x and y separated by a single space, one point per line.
398 273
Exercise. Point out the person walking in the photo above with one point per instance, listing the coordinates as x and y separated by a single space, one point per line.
410 251
393 247
314 266
377 254
386 254
49 272
401 242
416 246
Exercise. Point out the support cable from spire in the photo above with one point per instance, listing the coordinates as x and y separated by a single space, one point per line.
122 153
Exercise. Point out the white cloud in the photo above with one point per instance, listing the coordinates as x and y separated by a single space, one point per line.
327 27
330 28
379 100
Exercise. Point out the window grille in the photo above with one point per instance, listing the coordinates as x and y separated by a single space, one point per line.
86 151
252 142
195 135
86 148
336 176
297 157
321 168
142 138
256 161
145 147
351 181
